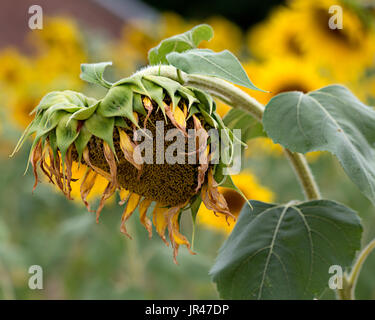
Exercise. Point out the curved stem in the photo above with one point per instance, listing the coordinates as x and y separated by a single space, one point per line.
237 98
304 174
350 282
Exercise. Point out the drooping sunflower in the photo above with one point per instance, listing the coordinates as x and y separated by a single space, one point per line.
102 137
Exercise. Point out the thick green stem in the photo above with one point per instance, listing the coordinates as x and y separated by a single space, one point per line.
237 98
304 174
350 282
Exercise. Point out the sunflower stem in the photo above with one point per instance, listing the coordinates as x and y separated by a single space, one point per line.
304 174
237 98
349 282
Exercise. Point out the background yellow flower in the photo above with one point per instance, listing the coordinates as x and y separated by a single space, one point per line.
288 74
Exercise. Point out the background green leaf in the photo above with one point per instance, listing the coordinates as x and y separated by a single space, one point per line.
285 251
93 73
222 64
179 43
329 119
239 119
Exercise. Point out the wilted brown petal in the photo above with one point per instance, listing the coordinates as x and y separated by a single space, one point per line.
110 158
212 198
35 158
177 118
69 163
127 148
175 236
148 105
87 184
108 192
86 157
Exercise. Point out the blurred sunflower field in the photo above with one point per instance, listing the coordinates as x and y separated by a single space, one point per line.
290 49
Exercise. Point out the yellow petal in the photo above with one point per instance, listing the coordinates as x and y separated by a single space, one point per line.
131 205
148 106
124 195
160 221
127 148
87 185
144 205
179 117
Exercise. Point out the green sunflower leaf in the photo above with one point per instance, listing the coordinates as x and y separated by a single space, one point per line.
118 102
222 65
329 119
188 95
66 133
154 92
180 43
82 141
205 99
53 142
85 113
138 105
101 127
60 100
93 73
167 84
239 119
285 251
194 207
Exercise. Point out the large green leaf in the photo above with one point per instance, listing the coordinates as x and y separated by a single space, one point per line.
285 251
329 119
179 43
222 64
93 73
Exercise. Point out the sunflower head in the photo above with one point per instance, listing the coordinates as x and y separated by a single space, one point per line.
126 138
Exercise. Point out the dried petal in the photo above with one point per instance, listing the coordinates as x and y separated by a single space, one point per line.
86 157
177 117
36 156
212 198
148 106
108 192
127 147
110 158
69 163
175 236
87 185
